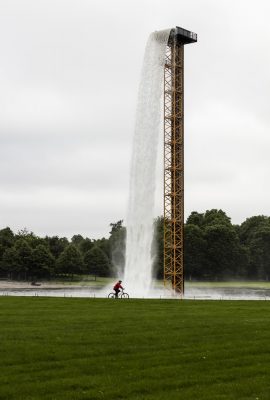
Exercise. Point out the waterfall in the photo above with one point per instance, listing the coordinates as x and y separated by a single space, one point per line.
140 213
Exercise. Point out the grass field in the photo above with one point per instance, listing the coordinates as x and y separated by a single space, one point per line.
67 348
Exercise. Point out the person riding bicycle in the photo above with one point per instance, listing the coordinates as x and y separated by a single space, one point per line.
117 288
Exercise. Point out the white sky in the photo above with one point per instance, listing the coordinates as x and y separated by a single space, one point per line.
69 73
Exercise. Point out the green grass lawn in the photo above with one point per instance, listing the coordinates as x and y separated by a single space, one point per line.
68 348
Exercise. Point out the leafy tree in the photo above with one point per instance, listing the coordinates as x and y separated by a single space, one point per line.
76 240
259 246
97 262
249 227
214 251
253 233
195 246
210 217
56 245
20 257
70 261
104 245
42 262
6 241
7 237
216 217
223 249
85 245
29 237
11 262
195 218
116 226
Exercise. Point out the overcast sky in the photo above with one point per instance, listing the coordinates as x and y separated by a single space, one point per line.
69 73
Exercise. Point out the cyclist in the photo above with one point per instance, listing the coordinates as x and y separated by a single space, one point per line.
117 288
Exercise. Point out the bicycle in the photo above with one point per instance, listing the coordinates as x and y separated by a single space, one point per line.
122 295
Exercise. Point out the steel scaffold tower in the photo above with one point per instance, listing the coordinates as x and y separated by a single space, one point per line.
174 158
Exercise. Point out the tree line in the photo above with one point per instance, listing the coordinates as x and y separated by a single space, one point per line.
214 249
26 256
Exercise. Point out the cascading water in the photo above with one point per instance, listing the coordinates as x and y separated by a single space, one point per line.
140 215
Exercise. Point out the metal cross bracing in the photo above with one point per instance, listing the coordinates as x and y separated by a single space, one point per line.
174 167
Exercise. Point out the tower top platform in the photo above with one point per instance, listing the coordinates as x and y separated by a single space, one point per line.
182 36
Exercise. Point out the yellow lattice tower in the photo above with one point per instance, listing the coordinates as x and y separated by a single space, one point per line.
174 158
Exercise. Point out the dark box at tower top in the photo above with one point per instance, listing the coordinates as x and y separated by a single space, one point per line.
182 36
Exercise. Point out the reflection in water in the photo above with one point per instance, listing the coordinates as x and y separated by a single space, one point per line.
228 293
192 293
48 292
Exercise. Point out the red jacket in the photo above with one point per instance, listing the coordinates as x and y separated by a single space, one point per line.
117 286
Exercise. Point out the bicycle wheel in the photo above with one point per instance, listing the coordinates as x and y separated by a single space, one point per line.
111 296
124 296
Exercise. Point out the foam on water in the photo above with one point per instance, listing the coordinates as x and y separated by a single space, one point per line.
140 215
